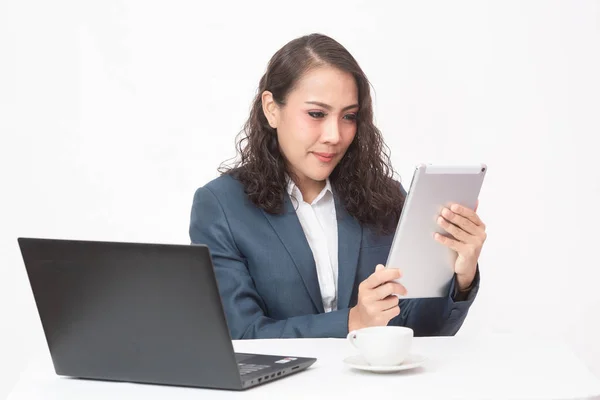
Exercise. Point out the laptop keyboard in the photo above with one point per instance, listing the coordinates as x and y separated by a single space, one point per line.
249 368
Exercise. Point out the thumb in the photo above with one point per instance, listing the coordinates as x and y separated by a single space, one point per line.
379 267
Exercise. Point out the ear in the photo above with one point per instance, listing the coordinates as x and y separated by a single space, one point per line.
270 108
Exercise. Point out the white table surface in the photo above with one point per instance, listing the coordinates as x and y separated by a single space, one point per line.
490 367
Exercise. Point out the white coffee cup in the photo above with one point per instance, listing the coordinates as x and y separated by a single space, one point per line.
383 345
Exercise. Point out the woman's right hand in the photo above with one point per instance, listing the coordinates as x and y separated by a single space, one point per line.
376 304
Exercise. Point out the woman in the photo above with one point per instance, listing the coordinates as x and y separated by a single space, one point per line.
299 227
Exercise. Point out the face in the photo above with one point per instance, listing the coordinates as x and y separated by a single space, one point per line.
317 123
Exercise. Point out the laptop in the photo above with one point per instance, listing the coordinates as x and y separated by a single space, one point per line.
139 312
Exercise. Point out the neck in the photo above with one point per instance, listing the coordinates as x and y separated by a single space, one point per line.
309 188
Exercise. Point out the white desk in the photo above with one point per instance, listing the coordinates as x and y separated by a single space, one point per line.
498 367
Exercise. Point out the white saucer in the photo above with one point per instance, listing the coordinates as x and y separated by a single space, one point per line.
358 362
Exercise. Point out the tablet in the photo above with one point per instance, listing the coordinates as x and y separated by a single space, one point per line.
427 265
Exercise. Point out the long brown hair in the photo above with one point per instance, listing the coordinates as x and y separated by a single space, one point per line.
363 180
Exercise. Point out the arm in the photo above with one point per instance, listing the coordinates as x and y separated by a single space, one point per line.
244 308
437 316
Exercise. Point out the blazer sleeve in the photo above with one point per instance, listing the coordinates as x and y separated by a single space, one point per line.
436 316
244 308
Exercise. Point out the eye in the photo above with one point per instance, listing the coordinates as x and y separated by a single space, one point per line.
316 114
350 117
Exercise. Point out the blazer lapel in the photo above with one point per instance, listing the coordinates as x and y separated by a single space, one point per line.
349 240
288 228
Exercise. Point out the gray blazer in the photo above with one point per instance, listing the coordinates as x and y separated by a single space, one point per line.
267 276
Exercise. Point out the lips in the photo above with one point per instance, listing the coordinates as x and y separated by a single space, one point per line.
324 157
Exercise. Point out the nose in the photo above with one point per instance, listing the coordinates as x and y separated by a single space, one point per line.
331 132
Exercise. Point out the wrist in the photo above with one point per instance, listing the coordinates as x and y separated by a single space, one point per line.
464 281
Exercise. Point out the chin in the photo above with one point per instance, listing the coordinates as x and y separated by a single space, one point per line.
319 175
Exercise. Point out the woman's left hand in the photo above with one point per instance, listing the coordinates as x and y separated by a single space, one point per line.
468 232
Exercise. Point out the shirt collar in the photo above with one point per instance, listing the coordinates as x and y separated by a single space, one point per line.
293 190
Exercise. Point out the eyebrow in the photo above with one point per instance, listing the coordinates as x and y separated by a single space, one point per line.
328 107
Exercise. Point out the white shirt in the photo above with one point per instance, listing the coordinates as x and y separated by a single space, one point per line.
319 224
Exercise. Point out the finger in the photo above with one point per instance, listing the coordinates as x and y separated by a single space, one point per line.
382 276
460 221
450 243
454 230
467 213
391 313
388 303
388 289
379 267
476 205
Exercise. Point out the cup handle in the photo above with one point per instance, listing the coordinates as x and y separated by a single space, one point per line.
352 336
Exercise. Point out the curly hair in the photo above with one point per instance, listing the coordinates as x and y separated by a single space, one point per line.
363 179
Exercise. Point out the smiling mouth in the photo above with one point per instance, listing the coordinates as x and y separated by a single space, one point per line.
324 157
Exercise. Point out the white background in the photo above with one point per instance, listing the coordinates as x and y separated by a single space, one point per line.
112 113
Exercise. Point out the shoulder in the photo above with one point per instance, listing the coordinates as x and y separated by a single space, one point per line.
225 190
224 185
220 209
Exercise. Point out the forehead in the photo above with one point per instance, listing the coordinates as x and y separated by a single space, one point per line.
327 85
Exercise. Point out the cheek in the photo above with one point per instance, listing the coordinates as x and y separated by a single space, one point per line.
299 134
347 133
309 129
